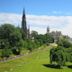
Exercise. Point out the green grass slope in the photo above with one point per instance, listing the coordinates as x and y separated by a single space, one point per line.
33 62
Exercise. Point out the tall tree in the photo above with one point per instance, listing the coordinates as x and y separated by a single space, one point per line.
24 26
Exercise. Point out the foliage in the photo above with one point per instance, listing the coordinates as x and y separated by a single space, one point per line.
49 38
44 39
5 53
34 34
60 55
10 37
64 42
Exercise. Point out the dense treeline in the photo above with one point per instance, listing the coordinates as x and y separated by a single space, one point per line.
12 40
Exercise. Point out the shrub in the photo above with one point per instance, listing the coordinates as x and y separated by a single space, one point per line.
58 55
5 53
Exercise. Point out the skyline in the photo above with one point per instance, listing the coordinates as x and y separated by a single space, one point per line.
39 14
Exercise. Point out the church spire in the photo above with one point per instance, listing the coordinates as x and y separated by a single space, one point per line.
24 25
48 29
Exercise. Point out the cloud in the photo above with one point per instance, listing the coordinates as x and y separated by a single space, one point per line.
44 21
10 18
68 28
40 23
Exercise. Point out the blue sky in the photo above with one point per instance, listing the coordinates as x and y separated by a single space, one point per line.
39 7
57 14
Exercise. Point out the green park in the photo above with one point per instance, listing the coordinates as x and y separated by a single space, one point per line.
35 42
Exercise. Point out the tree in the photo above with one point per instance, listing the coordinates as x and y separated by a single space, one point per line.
48 38
58 55
34 34
10 37
63 41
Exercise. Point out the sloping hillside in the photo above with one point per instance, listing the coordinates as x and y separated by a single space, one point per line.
37 61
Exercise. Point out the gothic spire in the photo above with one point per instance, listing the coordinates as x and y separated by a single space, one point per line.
24 25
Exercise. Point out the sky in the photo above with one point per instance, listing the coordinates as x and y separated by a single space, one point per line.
57 14
39 7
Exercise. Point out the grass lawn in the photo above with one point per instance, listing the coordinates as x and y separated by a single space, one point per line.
36 61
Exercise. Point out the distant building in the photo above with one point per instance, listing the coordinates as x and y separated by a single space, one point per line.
48 30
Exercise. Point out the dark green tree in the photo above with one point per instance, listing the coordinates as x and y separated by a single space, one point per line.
34 34
10 37
64 42
58 55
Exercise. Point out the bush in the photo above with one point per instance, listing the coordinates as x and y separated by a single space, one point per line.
16 51
64 42
58 55
5 53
